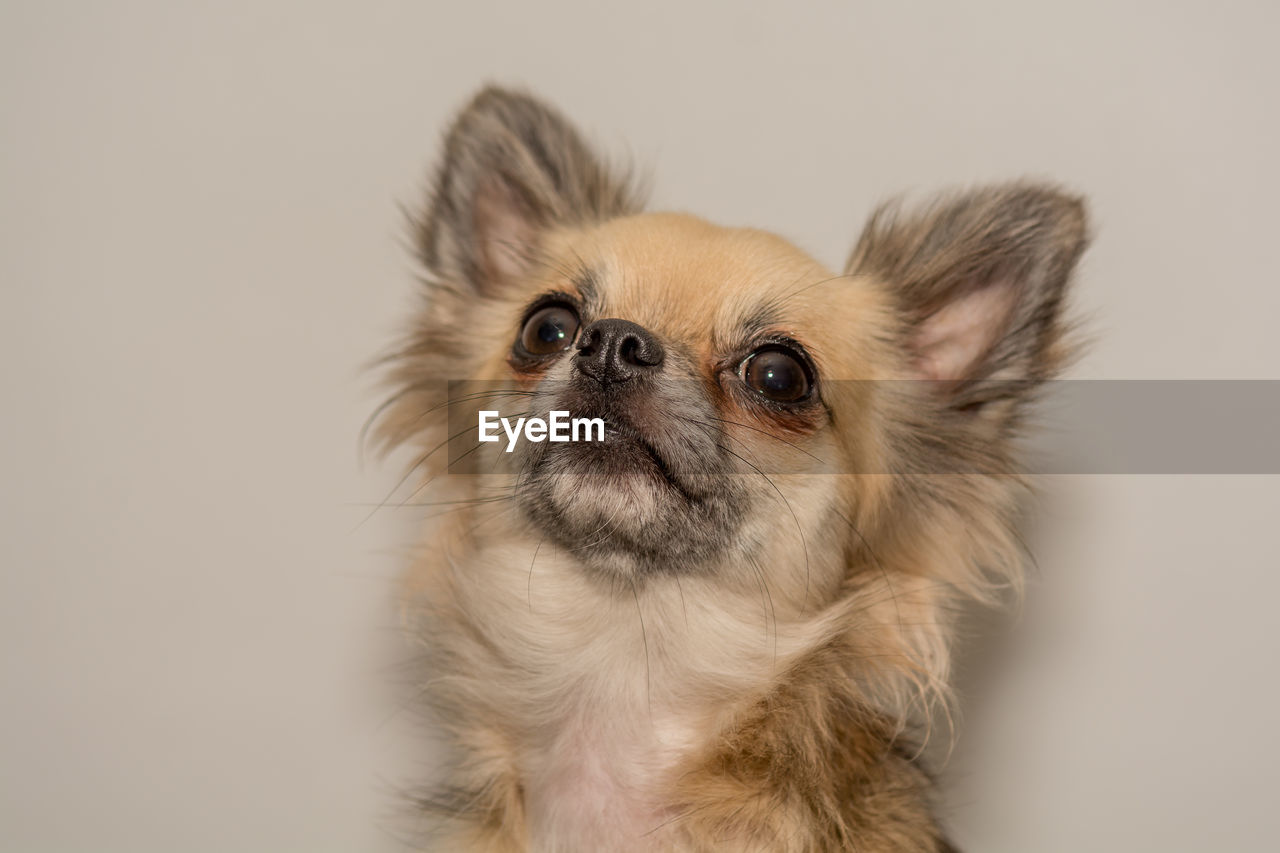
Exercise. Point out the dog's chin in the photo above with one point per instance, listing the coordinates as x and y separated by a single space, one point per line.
619 506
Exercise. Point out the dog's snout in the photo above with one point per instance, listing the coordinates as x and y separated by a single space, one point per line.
617 350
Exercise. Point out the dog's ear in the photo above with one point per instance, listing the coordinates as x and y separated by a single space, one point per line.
979 279
512 168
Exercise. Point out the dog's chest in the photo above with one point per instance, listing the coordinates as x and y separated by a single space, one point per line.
599 781
605 701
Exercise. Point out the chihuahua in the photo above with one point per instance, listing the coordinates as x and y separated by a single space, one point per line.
722 621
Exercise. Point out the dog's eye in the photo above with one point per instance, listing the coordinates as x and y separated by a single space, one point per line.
549 330
776 373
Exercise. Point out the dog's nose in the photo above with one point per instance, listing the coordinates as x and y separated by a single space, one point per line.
616 351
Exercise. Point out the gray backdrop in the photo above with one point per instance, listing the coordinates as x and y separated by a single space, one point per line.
200 245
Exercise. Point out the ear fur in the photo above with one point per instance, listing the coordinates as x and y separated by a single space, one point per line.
512 167
979 278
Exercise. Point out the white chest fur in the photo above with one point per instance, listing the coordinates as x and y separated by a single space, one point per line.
597 784
603 690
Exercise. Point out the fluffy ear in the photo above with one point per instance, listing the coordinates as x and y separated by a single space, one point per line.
980 278
512 167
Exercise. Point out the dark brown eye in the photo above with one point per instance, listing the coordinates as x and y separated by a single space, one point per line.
778 374
549 330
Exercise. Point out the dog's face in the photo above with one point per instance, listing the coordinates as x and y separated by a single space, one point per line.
760 409
707 353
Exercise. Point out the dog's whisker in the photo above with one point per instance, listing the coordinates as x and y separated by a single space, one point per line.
768 434
799 529
766 597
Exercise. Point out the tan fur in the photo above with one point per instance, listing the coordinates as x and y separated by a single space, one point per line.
765 698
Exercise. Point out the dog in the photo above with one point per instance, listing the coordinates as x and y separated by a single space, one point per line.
723 625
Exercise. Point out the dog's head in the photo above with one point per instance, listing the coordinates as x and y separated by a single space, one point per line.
762 412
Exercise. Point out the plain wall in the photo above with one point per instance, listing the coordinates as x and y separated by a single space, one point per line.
201 245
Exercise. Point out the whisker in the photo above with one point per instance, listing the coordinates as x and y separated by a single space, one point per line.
644 636
457 509
766 596
432 503
799 529
425 385
531 562
684 610
421 461
765 432
778 301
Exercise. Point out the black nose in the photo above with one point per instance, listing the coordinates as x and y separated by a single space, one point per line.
616 351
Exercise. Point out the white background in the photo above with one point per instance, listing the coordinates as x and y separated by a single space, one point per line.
201 245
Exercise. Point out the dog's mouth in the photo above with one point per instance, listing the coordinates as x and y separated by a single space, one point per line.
663 468
652 494
623 504
627 453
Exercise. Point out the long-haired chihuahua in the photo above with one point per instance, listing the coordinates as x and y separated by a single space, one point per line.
720 620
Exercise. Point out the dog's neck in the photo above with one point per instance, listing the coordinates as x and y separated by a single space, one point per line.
606 686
